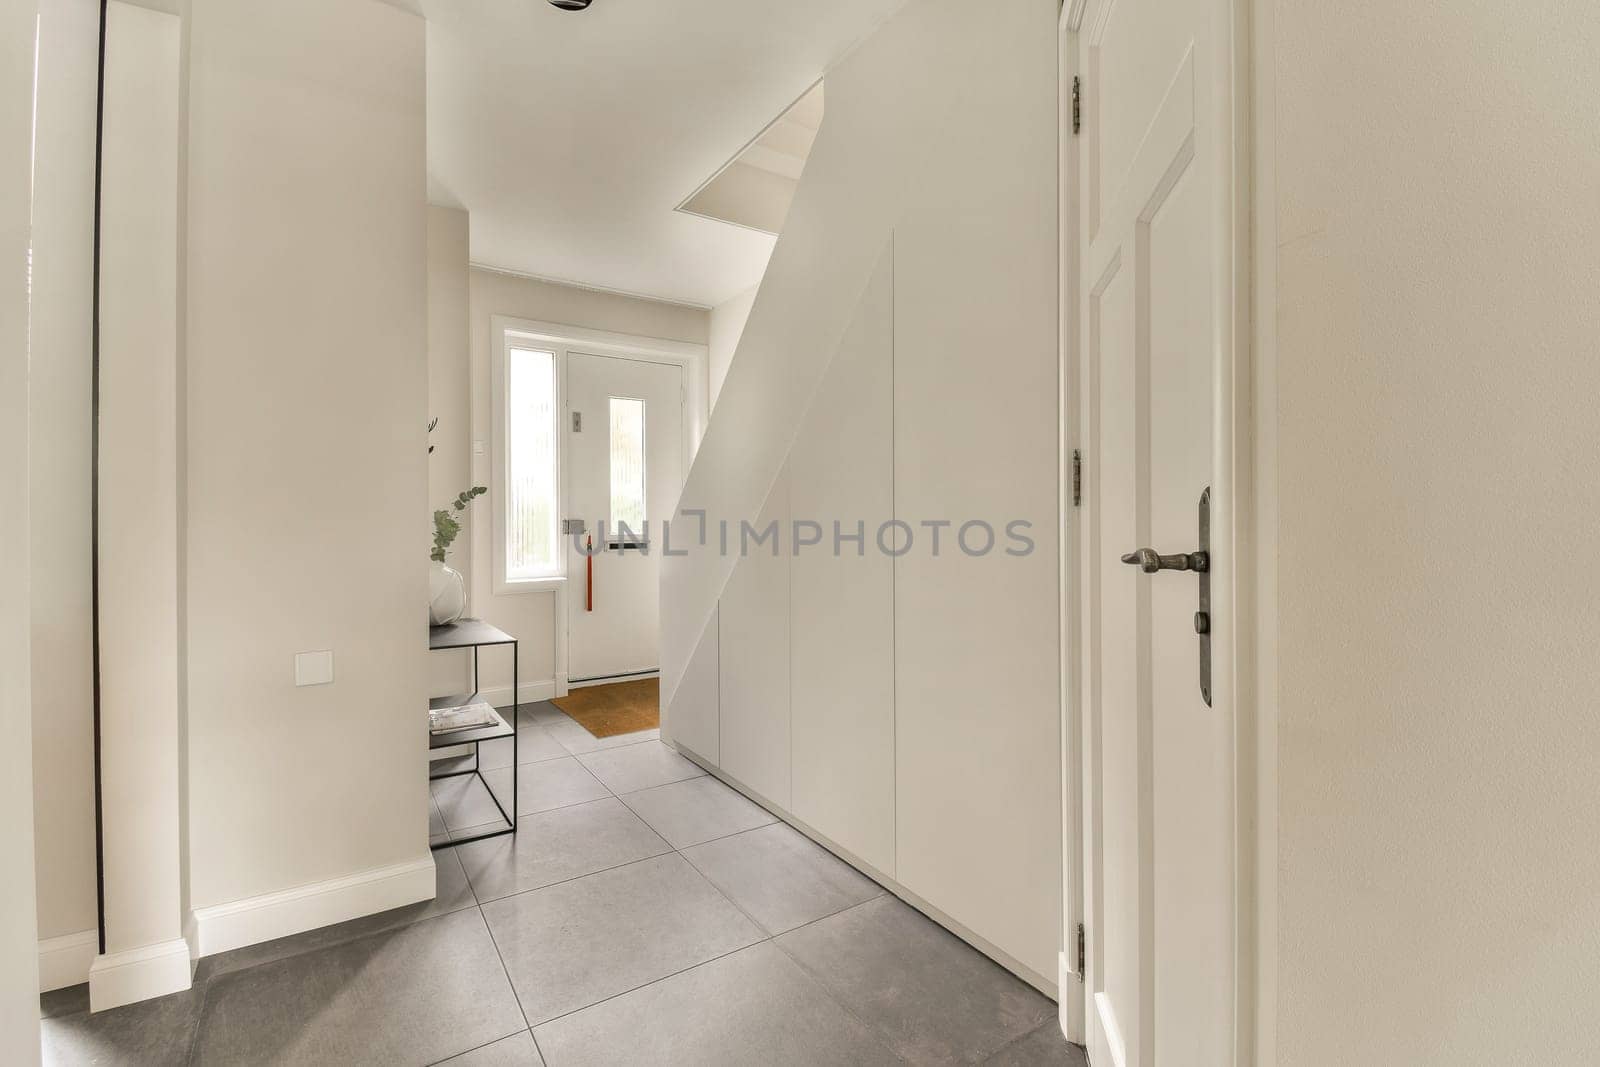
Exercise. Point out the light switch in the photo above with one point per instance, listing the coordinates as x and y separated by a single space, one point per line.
313 668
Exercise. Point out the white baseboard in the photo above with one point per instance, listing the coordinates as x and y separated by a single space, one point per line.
590 682
136 974
500 696
223 927
1070 1006
64 961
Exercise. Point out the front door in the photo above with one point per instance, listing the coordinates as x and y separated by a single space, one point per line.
1153 190
625 456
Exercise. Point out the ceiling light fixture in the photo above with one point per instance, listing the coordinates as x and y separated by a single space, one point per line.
570 5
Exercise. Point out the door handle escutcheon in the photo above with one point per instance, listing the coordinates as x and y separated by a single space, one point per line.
1150 561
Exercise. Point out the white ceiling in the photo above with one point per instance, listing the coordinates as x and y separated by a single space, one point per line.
572 136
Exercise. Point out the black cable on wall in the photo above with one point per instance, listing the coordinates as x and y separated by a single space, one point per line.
94 487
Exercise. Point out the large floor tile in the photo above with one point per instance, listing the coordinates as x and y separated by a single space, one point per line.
577 740
781 878
554 846
927 992
412 996
1045 1046
630 768
698 809
517 1050
464 800
551 784
452 893
534 745
152 1033
65 1001
437 831
752 1007
576 943
541 713
469 833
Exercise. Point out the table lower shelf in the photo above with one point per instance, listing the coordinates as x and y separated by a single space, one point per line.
491 732
475 737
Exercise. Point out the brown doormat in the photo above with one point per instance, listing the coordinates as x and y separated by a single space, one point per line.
617 708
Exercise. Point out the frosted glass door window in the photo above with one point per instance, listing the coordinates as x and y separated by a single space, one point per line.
627 468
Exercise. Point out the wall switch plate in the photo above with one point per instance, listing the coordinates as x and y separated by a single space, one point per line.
313 668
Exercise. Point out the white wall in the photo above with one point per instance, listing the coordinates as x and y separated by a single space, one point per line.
19 976
919 259
449 336
449 401
307 464
139 516
727 326
62 324
531 617
1437 218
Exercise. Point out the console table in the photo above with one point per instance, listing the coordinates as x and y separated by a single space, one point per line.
476 634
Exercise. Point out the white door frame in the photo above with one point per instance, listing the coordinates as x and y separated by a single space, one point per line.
562 339
1244 377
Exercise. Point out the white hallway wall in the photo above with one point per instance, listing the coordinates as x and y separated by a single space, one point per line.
307 458
268 415
62 322
449 401
139 544
1437 243
727 326
900 358
19 979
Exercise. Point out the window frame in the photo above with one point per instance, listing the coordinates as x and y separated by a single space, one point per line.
507 333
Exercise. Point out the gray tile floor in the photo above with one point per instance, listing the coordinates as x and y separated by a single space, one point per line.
644 913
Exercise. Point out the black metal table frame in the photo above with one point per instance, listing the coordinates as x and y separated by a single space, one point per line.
440 741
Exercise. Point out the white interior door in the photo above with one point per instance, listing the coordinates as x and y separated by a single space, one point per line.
1158 802
625 459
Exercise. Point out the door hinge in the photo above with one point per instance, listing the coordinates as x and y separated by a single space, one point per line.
577 422
1083 954
1077 478
1077 103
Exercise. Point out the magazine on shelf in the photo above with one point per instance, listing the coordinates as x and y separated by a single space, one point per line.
461 717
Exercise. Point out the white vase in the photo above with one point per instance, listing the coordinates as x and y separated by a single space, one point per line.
447 594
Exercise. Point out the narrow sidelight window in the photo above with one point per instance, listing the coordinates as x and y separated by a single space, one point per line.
532 541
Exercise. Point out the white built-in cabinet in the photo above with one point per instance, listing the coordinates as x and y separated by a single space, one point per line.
841 606
694 720
753 651
902 703
900 362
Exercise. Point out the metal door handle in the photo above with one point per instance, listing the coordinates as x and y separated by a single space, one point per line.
1150 561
